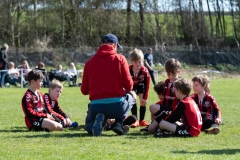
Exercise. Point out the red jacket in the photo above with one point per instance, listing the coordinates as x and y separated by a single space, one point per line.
106 75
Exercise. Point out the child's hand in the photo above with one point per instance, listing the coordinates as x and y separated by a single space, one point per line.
64 122
143 102
68 121
153 117
133 95
110 121
218 120
50 117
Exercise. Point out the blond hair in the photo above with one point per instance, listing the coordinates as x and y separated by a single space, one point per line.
136 55
11 64
72 64
27 65
55 84
5 46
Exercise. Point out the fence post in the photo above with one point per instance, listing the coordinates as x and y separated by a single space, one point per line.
22 78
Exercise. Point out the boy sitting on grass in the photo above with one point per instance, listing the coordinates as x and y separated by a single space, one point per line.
154 108
186 110
51 100
36 115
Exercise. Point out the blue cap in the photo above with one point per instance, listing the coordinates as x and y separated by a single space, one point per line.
111 38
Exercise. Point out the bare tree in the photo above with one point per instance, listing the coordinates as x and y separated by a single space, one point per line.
128 30
141 14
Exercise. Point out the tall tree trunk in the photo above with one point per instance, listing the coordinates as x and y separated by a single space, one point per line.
141 14
44 21
18 27
219 21
11 13
185 31
128 30
35 19
63 21
223 19
210 18
158 34
195 17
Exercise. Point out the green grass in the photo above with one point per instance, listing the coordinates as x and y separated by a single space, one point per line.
19 143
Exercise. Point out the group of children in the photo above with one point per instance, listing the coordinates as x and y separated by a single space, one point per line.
42 112
177 113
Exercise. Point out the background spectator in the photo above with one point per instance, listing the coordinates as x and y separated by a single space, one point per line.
3 63
41 67
148 62
72 74
13 75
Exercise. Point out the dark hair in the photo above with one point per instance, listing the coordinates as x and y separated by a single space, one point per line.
183 85
35 75
172 66
159 88
41 65
149 49
203 80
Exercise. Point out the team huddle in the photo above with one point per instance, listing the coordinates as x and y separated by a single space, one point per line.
113 87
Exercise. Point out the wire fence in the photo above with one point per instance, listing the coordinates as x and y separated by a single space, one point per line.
189 54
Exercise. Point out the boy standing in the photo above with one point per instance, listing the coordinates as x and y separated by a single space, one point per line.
141 83
36 116
186 109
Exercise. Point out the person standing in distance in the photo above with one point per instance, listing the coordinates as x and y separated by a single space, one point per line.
107 81
148 62
3 63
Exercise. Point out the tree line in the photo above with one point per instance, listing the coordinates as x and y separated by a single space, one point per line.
77 23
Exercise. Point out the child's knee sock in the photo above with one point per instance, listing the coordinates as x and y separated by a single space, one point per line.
134 109
142 112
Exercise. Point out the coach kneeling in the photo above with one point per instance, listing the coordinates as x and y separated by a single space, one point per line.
107 80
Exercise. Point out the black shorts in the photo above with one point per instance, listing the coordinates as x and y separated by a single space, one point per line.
182 132
37 125
139 89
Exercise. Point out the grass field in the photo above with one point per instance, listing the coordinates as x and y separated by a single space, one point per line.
19 143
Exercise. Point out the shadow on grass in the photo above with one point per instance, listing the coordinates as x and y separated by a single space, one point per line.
16 129
25 129
138 134
63 135
213 152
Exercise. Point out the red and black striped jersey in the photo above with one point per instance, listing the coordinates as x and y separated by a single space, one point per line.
207 106
53 107
190 115
169 95
33 107
142 77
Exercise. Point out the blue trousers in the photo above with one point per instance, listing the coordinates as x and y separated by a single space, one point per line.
3 73
117 111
